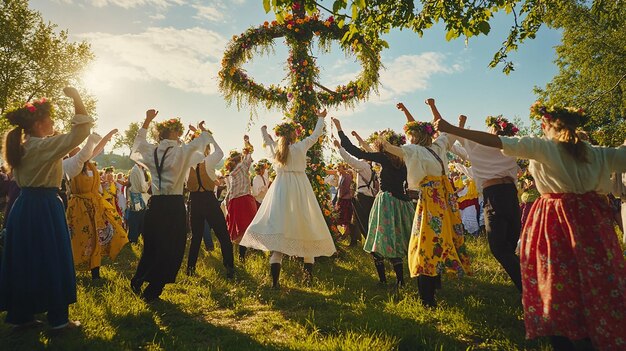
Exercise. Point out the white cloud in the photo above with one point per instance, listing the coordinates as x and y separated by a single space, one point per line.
409 73
210 13
157 17
402 75
185 59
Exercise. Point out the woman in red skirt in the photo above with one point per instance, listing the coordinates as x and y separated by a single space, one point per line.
240 204
573 271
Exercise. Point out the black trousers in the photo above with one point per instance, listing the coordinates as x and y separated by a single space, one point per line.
503 224
362 205
165 239
205 207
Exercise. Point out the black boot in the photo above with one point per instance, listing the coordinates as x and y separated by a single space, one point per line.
95 273
379 263
308 272
191 271
135 285
561 343
398 267
275 269
230 272
426 289
242 253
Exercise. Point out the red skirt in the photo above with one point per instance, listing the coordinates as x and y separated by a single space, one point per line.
573 271
241 211
344 207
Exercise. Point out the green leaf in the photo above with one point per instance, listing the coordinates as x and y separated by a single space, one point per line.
340 23
266 6
484 27
451 34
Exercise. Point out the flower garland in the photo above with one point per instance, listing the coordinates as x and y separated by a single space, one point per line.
285 129
540 111
502 125
391 136
421 127
173 124
236 85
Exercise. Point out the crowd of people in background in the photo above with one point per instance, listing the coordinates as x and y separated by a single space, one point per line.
551 207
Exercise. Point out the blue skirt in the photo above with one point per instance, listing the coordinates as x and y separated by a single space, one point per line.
37 272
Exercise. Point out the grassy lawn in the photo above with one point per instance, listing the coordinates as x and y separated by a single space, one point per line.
343 309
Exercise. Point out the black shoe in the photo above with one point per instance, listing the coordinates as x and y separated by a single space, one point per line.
230 272
275 270
95 273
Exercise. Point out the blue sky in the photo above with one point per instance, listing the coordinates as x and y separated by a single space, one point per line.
165 54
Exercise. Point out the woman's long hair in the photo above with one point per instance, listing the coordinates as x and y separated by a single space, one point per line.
282 149
23 119
565 127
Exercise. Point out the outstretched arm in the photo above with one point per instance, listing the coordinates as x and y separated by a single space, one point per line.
409 117
103 142
433 108
392 149
473 135
365 146
79 107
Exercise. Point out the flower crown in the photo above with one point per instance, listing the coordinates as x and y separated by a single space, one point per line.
173 124
422 127
32 106
285 129
388 134
263 163
540 111
502 125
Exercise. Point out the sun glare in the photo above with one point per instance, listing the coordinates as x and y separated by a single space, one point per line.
98 77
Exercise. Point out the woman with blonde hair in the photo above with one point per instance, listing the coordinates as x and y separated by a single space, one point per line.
572 267
437 244
290 221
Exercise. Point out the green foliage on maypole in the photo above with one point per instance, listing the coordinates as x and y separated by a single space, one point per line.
304 94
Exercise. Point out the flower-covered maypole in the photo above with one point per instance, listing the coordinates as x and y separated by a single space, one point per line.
304 94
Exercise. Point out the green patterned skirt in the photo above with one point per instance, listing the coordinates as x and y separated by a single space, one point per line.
389 228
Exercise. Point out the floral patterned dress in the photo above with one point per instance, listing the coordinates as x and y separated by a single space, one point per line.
437 244
95 226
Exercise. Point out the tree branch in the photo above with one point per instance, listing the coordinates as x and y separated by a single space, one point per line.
608 91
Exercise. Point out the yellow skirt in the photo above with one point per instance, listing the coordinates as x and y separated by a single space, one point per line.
95 229
437 245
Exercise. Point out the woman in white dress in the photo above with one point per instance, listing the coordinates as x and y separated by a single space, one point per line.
290 221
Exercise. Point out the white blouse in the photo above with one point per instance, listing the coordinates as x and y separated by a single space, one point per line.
177 163
421 163
72 166
296 159
555 171
487 162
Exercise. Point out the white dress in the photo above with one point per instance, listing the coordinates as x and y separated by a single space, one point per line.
290 220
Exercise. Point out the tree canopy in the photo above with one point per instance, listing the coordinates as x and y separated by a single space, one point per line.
592 69
36 60
461 18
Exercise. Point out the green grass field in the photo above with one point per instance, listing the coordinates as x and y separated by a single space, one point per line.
343 309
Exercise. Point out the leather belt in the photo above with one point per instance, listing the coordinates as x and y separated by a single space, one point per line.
496 181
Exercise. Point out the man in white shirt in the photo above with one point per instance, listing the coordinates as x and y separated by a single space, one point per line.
365 191
496 174
137 200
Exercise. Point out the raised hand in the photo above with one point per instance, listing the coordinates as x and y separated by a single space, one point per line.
264 128
430 102
462 120
400 106
337 143
110 134
71 92
201 126
442 125
151 114
321 113
336 122
192 128
246 139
